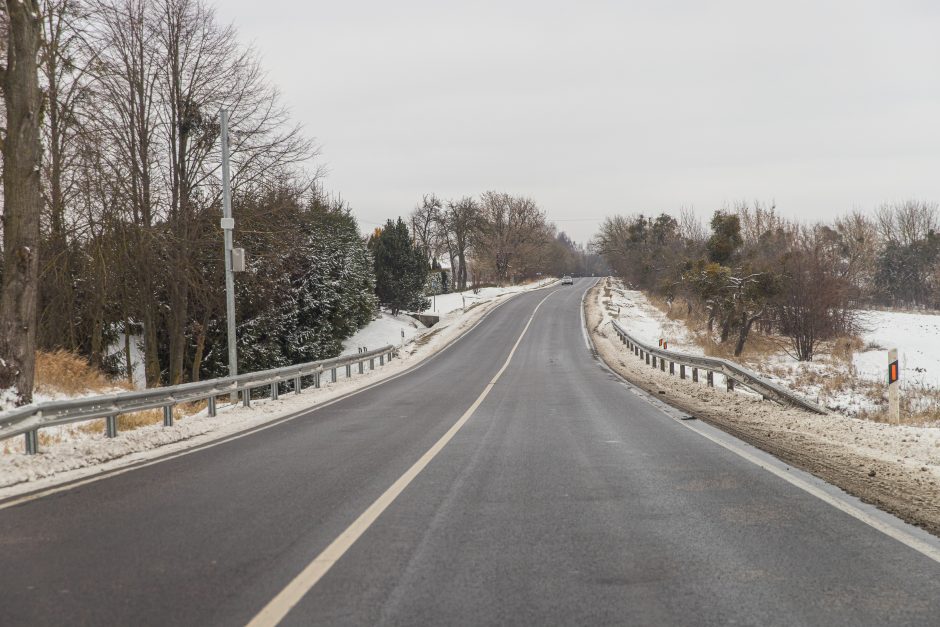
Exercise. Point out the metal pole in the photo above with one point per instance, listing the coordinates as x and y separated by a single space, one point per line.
228 225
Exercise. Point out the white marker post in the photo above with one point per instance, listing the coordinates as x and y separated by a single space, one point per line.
894 402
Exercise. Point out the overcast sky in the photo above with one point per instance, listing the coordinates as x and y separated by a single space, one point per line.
595 108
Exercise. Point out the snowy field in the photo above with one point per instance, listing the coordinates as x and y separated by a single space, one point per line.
916 336
70 452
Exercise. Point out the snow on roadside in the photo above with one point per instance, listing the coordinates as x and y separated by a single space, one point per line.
388 329
77 453
917 338
895 467
647 323
846 387
385 330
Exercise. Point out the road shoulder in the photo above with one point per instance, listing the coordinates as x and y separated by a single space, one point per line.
854 455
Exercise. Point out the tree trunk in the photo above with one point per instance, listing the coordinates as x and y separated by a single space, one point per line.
22 202
462 274
746 324
725 329
152 369
128 362
200 347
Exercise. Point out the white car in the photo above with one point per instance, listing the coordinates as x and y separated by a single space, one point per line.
567 280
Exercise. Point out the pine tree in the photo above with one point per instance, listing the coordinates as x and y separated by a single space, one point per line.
401 269
304 291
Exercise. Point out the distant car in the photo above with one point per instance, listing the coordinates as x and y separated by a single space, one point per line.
567 280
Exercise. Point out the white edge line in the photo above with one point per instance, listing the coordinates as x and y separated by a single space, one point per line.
842 505
278 607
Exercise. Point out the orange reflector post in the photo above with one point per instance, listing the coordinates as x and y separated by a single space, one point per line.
892 372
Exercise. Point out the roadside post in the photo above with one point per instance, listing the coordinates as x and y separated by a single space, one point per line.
228 225
894 402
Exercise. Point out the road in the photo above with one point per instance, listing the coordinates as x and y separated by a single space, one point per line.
563 498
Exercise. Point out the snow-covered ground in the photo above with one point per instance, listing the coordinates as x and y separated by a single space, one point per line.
895 467
385 330
647 323
388 329
70 452
917 338
852 388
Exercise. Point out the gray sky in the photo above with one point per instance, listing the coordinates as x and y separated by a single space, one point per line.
595 108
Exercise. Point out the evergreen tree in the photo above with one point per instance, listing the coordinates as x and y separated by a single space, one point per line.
305 290
401 269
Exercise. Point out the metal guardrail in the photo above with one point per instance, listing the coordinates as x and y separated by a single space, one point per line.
27 420
733 373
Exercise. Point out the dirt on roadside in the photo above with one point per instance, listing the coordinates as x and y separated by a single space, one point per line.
896 468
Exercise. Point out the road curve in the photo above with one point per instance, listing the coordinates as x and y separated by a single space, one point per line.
565 498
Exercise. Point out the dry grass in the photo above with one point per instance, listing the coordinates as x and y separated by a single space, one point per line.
66 373
62 372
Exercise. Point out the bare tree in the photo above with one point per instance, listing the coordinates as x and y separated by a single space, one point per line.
459 225
908 222
511 227
127 72
22 201
64 72
813 306
424 220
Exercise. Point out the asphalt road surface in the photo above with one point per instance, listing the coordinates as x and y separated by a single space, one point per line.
563 498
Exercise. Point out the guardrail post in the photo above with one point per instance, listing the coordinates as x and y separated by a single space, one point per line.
348 371
681 371
710 377
647 355
382 359
362 367
298 385
316 380
371 363
333 374
32 441
662 364
729 383
672 367
246 397
274 391
211 403
694 375
654 362
167 415
110 426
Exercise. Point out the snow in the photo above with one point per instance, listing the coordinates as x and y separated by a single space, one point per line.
383 331
446 303
74 453
139 377
648 324
917 338
915 335
387 329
